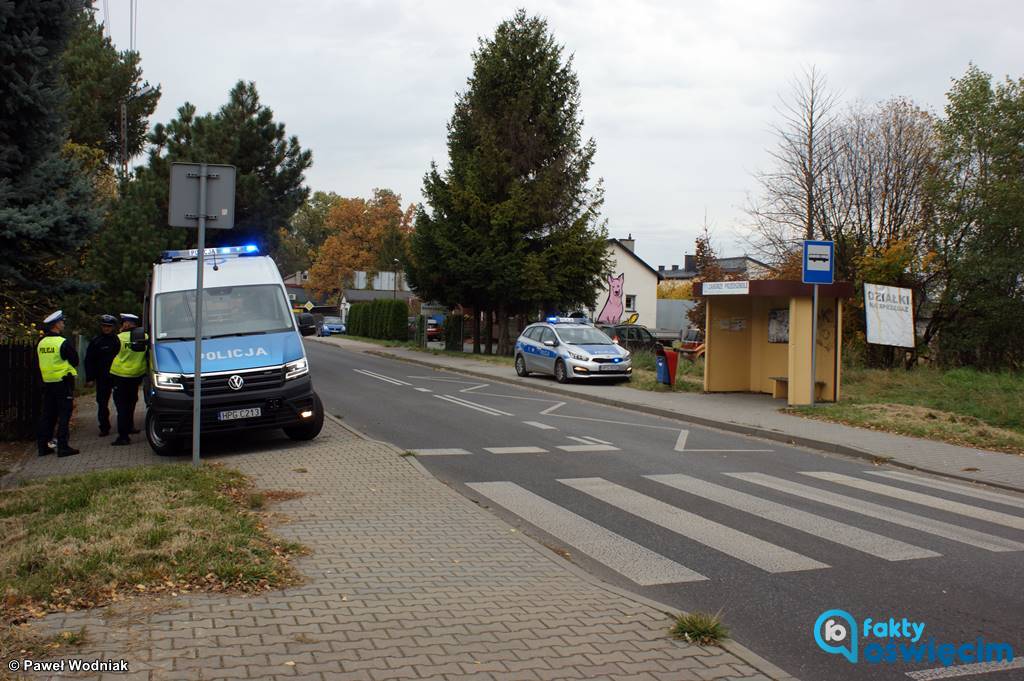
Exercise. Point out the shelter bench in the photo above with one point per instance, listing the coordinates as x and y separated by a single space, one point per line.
780 386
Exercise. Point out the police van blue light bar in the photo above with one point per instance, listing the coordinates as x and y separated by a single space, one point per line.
193 253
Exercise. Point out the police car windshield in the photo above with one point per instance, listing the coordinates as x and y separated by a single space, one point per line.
227 311
584 335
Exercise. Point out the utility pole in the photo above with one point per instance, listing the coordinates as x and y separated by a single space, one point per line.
394 295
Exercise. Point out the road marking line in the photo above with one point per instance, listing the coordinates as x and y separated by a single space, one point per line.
553 407
965 489
870 509
923 499
681 440
480 406
515 450
440 452
740 545
589 447
965 670
629 559
815 525
729 450
379 378
538 424
446 398
594 439
474 387
374 373
580 439
425 390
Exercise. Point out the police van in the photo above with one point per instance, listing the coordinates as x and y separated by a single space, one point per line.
255 374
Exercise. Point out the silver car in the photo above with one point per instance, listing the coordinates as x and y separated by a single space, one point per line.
567 349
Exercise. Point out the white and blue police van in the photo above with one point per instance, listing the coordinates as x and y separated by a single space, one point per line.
255 374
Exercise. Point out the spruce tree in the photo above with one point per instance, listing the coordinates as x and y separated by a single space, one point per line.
46 204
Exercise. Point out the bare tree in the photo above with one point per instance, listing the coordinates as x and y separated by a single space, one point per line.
787 209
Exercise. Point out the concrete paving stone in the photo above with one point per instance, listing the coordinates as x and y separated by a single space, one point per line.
716 672
351 676
400 673
229 673
482 667
380 653
229 661
555 674
563 661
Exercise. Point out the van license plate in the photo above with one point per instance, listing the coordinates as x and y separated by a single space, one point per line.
235 414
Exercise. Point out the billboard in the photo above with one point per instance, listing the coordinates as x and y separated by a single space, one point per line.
890 315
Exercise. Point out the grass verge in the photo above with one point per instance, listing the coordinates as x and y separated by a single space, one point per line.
87 540
960 406
701 628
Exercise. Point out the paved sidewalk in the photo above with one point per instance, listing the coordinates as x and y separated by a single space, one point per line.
751 414
406 579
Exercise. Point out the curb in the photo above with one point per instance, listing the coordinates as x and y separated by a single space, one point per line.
738 649
774 435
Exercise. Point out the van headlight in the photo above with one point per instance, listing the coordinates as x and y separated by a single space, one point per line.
295 369
162 381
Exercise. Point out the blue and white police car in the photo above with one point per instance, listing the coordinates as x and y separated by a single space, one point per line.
570 348
254 367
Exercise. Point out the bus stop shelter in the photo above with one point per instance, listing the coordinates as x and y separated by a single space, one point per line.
758 338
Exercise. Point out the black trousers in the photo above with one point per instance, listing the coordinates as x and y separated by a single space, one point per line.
104 386
58 400
126 396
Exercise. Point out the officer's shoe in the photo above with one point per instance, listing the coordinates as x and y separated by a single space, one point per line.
67 451
120 442
104 432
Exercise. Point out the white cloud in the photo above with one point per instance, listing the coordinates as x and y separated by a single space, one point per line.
678 96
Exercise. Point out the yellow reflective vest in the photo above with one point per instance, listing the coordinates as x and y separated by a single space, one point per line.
52 366
128 363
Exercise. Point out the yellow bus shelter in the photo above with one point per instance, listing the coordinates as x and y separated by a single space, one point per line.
758 338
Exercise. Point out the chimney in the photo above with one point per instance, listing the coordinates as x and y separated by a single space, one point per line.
675 268
661 268
628 242
690 263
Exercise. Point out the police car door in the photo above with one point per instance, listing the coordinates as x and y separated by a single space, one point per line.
548 354
531 347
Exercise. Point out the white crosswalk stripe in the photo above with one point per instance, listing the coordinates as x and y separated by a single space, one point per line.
589 448
825 528
957 487
870 509
515 450
473 405
749 549
922 499
440 452
635 562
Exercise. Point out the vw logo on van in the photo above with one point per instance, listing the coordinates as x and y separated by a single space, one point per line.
236 382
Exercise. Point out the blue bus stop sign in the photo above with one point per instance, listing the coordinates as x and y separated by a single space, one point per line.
819 262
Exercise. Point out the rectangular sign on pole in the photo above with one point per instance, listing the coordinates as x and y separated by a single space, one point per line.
889 313
725 288
819 262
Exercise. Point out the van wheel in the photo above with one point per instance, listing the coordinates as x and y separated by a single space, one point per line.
311 428
560 373
521 366
160 445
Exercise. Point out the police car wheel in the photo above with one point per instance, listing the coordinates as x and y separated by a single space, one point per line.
561 374
311 428
521 366
161 446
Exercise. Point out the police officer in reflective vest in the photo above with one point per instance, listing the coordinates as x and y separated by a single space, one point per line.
126 372
98 357
57 361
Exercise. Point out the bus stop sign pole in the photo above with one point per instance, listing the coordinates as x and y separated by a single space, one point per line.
217 206
819 268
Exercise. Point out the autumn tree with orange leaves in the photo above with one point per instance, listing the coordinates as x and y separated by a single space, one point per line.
365 235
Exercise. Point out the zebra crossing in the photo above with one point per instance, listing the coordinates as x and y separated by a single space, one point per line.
645 567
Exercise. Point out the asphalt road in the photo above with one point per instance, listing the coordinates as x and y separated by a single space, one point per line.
772 536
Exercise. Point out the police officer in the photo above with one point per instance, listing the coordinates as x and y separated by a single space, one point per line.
98 356
57 361
126 372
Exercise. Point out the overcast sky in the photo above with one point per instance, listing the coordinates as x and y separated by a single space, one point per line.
679 96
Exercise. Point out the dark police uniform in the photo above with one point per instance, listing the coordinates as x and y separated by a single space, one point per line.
57 361
98 356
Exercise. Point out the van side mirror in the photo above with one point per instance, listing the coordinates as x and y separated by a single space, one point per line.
138 339
307 324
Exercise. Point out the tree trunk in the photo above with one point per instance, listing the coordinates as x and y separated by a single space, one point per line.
476 330
489 330
504 346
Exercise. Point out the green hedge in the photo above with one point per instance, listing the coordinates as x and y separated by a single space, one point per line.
384 319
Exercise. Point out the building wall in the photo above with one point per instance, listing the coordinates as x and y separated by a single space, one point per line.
636 280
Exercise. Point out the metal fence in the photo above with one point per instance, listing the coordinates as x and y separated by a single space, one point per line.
20 390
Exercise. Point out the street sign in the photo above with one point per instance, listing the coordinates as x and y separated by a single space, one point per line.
819 262
309 306
185 196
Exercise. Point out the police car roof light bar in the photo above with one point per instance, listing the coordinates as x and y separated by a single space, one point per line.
193 254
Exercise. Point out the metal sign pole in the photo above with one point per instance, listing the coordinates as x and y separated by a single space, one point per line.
197 380
814 344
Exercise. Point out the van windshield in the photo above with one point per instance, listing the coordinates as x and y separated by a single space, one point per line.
227 311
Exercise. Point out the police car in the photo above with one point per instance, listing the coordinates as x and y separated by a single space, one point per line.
570 348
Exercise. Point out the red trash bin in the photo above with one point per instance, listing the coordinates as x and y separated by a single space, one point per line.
672 359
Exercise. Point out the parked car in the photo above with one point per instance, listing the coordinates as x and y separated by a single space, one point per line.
633 337
330 325
569 349
434 331
693 343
